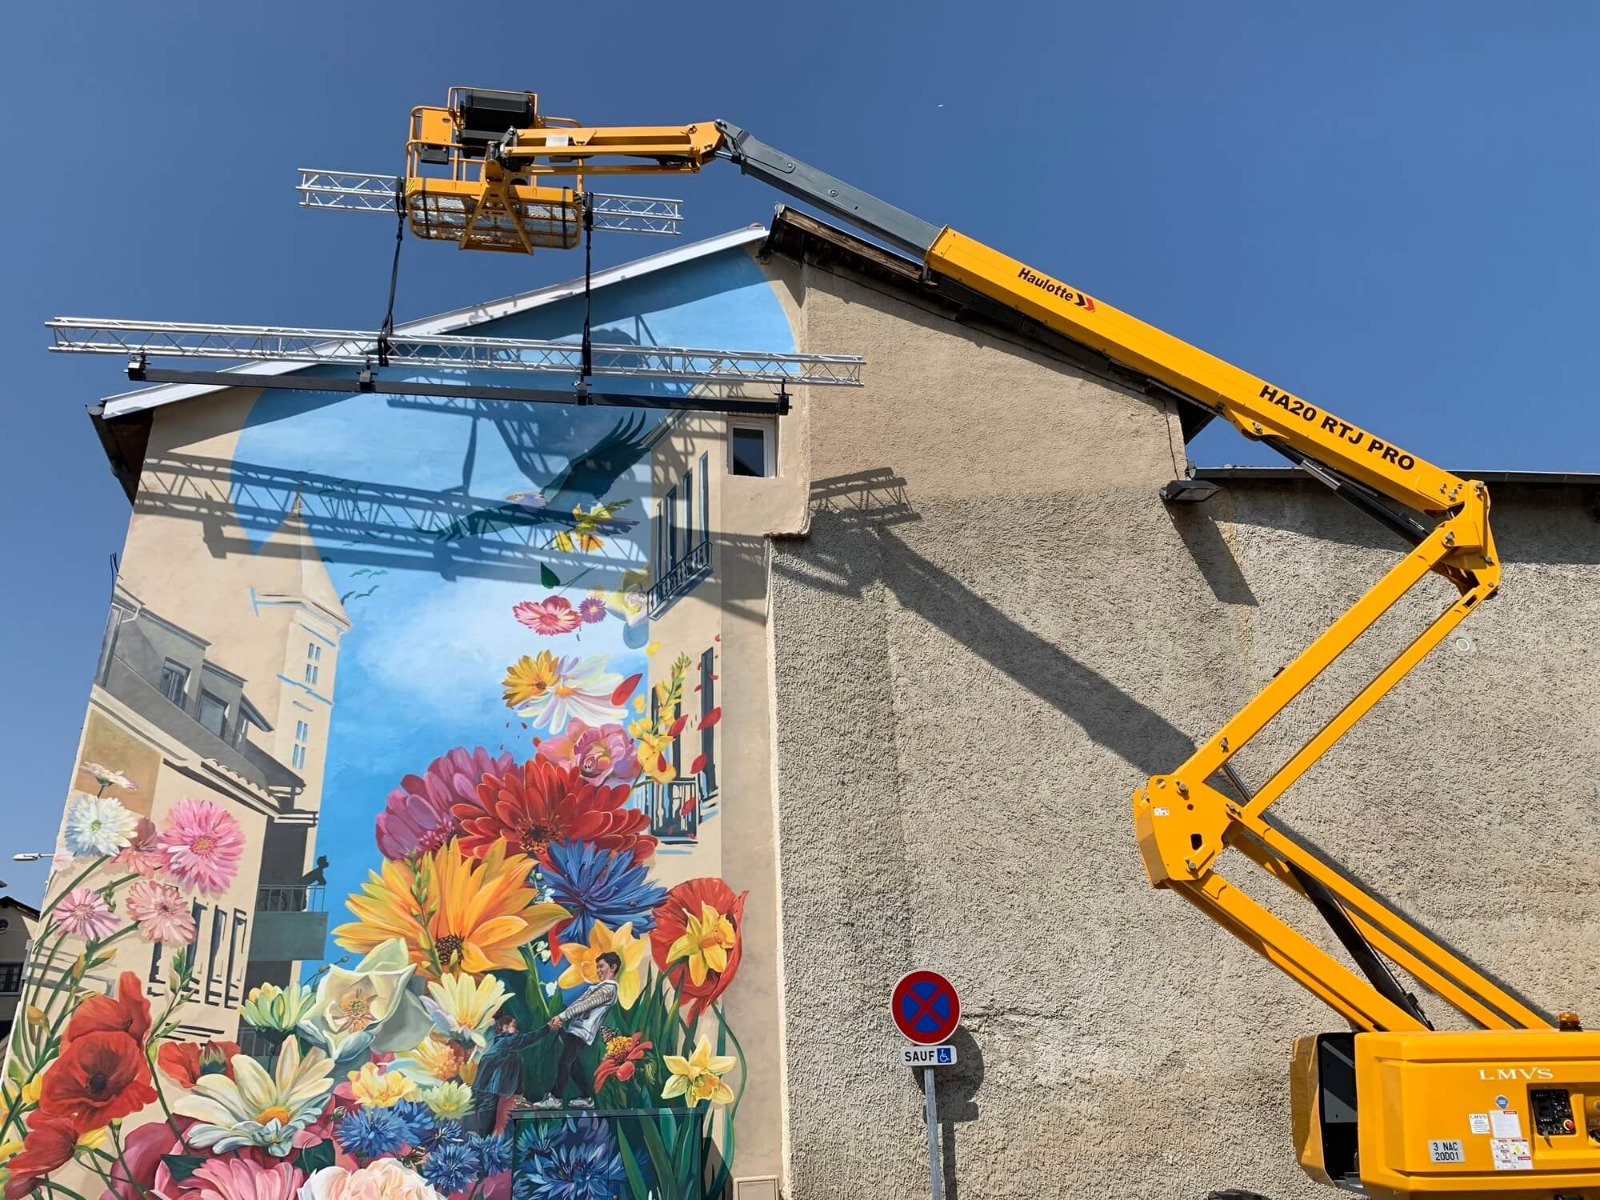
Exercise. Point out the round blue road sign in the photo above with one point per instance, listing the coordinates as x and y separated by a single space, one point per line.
925 1007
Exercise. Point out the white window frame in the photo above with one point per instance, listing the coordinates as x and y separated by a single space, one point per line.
769 441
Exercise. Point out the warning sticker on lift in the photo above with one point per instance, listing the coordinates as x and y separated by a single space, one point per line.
1511 1154
1446 1150
1479 1122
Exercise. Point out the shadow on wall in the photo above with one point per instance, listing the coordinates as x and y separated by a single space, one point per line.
1211 552
956 1089
857 550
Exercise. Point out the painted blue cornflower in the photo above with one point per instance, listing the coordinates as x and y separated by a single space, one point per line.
446 1131
574 1170
418 1119
601 885
572 1159
371 1133
493 1151
451 1167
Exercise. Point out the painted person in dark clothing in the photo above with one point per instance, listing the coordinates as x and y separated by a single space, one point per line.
499 1081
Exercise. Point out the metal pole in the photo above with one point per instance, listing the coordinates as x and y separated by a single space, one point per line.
935 1175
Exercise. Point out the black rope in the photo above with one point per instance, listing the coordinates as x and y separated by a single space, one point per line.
587 367
394 272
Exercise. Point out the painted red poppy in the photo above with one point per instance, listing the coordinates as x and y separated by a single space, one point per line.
49 1145
98 1078
185 1062
128 1012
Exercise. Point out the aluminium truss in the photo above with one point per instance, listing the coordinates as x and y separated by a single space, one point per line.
142 340
350 191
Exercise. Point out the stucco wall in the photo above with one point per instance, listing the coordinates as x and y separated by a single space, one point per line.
980 654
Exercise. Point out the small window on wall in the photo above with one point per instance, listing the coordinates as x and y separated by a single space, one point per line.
752 451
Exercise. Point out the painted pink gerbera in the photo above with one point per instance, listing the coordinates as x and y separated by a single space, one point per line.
141 855
245 1179
161 911
592 609
416 818
203 844
551 616
84 911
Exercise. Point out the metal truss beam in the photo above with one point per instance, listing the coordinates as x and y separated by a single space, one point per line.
141 340
351 191
371 381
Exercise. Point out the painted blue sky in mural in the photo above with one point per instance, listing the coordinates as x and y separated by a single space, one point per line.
432 630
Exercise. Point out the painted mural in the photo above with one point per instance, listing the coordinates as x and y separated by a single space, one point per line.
389 868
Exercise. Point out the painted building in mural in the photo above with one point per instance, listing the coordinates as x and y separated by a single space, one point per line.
543 800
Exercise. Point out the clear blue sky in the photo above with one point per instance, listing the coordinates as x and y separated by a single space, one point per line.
1389 208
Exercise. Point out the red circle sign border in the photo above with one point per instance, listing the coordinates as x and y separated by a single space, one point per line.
947 1028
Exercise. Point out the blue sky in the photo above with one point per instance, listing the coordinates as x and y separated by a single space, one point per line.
1387 208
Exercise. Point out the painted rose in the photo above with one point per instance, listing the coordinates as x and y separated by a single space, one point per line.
416 817
385 1179
602 754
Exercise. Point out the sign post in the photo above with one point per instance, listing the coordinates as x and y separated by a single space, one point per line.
927 1010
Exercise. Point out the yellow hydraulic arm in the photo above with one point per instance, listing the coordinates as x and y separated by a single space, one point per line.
1414 1142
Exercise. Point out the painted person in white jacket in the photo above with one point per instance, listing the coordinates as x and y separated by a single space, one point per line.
578 1024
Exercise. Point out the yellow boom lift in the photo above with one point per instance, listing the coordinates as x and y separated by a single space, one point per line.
1394 1108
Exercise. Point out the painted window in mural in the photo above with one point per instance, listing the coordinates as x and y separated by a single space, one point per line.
682 556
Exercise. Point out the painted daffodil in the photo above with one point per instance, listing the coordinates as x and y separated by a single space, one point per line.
699 1077
705 943
633 951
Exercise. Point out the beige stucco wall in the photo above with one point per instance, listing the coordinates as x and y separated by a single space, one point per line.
986 642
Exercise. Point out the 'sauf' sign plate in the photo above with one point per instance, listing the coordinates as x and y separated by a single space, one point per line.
928 1056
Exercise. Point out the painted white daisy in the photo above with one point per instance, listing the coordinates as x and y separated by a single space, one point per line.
98 826
257 1109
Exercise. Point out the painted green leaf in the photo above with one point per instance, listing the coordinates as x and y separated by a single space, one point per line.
313 1158
184 1165
548 577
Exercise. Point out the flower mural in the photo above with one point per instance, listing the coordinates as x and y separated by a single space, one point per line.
520 960
513 949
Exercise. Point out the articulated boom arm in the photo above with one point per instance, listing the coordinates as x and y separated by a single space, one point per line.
1184 823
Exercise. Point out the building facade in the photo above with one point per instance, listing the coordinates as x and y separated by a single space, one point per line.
771 712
